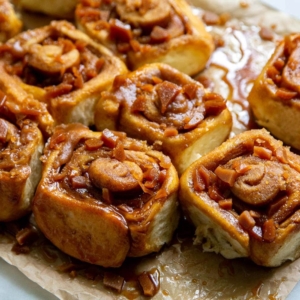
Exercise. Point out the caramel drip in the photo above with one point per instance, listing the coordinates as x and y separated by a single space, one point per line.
233 67
238 75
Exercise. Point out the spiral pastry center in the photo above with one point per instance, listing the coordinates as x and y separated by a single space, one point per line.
261 183
144 13
114 175
51 59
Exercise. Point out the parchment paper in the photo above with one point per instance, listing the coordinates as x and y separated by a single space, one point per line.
185 271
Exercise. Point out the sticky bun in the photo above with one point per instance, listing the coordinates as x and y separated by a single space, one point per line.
148 31
275 95
167 108
10 24
243 198
21 145
61 67
104 196
56 8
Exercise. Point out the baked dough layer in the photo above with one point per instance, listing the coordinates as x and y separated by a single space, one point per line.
21 146
149 31
104 196
274 98
62 68
243 199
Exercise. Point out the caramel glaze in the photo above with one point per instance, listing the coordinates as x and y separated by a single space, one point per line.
240 54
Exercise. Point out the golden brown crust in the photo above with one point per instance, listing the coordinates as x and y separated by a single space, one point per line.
150 31
64 70
107 195
21 146
274 97
243 198
10 24
168 109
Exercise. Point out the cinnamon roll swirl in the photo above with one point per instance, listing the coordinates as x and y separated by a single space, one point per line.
104 196
275 95
148 31
10 24
61 67
243 198
21 145
168 109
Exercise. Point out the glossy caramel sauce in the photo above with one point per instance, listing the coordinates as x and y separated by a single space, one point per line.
234 65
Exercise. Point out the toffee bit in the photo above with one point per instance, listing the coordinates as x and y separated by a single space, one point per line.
93 144
149 282
109 138
226 175
225 204
159 35
139 105
262 152
269 231
266 34
210 18
120 31
113 281
192 90
119 152
214 193
246 220
170 131
27 236
18 249
79 182
244 4
256 233
167 92
156 80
